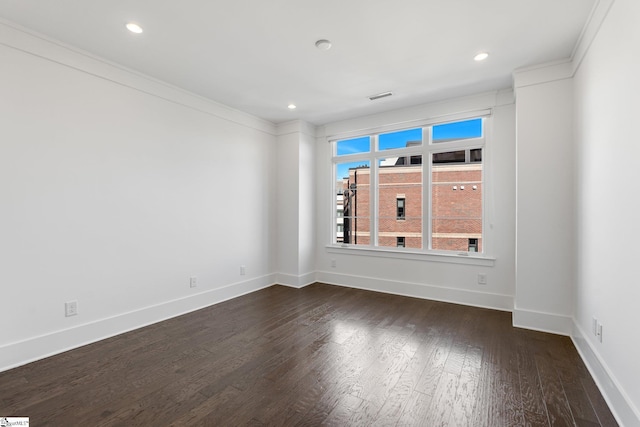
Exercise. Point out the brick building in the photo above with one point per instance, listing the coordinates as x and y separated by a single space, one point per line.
456 206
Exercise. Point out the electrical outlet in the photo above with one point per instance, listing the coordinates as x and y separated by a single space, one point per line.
70 308
243 270
333 263
482 279
193 282
594 326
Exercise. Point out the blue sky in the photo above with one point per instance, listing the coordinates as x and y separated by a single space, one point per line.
352 146
458 130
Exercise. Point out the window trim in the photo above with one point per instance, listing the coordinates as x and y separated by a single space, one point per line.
425 150
409 254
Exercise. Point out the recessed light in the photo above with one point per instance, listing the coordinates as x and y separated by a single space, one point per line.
291 107
323 44
481 56
134 28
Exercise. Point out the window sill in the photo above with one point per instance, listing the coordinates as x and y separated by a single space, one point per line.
452 258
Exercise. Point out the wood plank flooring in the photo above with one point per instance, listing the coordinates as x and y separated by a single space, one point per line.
321 355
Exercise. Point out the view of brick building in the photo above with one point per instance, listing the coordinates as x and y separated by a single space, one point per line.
456 205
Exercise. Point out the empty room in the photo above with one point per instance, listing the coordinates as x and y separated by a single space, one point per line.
338 213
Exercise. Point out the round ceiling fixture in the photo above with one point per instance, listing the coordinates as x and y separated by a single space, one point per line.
134 28
292 107
323 44
481 56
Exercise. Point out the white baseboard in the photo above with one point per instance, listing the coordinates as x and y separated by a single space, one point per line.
293 281
419 290
20 353
626 413
544 322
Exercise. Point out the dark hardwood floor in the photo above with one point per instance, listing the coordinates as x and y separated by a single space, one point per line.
322 355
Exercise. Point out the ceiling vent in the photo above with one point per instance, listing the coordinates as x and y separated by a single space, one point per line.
380 95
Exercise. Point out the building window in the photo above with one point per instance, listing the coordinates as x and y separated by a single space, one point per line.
400 208
423 183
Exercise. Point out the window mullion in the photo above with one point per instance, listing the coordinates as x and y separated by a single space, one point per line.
374 193
426 189
334 202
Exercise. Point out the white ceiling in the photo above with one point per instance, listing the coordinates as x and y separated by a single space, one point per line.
258 56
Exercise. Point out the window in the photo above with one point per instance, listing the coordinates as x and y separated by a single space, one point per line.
400 208
417 188
352 191
456 200
457 130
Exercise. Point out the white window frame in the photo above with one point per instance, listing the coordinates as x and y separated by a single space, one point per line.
427 148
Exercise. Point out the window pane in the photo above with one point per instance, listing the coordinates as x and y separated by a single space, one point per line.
450 157
352 199
456 203
458 130
475 155
399 203
353 146
402 139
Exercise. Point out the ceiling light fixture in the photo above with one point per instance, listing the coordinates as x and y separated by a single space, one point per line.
292 107
134 28
380 95
481 56
323 44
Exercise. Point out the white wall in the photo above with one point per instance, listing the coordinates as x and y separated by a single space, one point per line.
545 203
288 200
115 189
432 277
296 204
307 206
607 90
